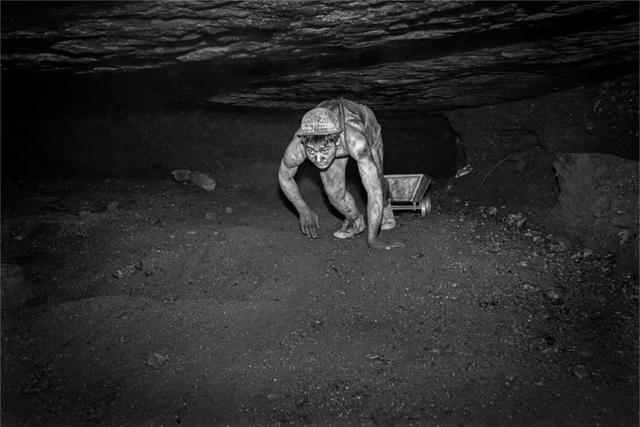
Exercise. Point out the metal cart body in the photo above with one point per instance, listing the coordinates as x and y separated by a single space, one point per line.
410 192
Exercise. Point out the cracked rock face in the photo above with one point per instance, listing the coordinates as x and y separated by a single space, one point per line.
393 55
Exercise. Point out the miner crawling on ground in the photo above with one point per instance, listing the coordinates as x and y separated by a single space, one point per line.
329 134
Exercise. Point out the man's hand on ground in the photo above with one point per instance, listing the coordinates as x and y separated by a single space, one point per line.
378 244
309 224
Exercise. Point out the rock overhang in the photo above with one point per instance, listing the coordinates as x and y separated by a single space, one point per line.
392 55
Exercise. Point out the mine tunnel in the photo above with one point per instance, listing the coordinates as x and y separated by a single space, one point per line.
157 268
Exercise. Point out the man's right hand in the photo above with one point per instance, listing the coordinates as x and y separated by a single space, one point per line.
309 223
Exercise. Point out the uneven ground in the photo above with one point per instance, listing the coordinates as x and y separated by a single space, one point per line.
181 306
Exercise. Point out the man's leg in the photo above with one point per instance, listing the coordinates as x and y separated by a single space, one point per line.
334 181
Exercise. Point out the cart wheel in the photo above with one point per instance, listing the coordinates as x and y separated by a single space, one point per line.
425 206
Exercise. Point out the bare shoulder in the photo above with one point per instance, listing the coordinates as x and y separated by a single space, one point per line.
358 146
294 154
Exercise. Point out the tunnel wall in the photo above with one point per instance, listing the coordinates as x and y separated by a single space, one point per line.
601 118
152 144
138 144
583 141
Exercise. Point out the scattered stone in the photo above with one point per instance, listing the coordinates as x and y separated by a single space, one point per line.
157 359
90 415
586 353
112 207
16 290
418 255
516 220
624 236
492 211
87 216
181 175
580 371
550 349
169 298
559 244
553 295
203 180
35 384
493 247
127 271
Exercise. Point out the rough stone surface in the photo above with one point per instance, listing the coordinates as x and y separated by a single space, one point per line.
512 146
145 144
598 200
16 290
597 118
397 55
246 322
155 145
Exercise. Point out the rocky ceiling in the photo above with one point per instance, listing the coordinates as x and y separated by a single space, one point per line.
398 55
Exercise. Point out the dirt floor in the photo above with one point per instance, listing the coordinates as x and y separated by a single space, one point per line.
177 306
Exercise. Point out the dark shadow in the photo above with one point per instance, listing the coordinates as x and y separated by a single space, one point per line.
308 179
419 144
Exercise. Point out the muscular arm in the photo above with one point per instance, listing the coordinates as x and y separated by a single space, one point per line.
371 182
293 157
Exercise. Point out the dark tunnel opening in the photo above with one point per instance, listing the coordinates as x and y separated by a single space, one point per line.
104 126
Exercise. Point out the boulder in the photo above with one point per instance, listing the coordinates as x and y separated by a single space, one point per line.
598 201
203 180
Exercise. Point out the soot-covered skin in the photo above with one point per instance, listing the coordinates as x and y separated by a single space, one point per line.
360 139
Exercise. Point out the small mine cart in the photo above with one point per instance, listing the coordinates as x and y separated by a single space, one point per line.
409 192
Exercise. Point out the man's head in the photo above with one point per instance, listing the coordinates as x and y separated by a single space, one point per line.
320 134
321 149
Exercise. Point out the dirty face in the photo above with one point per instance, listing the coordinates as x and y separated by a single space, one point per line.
321 149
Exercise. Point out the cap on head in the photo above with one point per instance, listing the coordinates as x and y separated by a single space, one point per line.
319 121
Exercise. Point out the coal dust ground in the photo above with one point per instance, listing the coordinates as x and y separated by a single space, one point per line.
177 306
